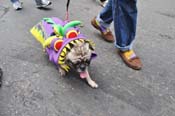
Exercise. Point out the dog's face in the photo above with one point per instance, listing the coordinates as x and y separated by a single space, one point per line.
79 58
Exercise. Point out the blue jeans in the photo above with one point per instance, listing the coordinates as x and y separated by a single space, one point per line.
124 15
13 1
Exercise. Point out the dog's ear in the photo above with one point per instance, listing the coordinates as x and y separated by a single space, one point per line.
90 45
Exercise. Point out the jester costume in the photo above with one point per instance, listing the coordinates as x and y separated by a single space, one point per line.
58 37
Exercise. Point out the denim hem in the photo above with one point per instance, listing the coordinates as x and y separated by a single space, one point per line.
126 48
102 23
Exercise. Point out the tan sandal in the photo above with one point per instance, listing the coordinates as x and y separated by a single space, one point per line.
130 59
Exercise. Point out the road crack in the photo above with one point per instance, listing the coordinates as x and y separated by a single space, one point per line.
3 11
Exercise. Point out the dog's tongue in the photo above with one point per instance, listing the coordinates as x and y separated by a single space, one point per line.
83 75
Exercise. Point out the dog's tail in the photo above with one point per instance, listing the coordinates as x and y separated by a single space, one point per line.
38 34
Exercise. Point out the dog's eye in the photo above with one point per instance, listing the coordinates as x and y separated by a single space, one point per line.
87 62
78 62
69 61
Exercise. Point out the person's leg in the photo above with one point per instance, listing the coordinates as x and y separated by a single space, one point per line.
42 3
125 18
105 17
103 20
13 1
16 4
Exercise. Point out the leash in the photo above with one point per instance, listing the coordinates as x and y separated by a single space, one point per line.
67 10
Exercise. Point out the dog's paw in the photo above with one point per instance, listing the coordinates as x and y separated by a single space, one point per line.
93 84
62 72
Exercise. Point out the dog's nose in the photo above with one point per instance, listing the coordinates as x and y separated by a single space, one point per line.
82 67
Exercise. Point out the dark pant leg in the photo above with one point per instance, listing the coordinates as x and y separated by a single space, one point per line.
13 1
106 13
125 18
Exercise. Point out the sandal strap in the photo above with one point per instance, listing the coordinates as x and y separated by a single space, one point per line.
129 54
133 58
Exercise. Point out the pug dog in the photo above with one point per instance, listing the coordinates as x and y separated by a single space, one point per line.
79 59
66 46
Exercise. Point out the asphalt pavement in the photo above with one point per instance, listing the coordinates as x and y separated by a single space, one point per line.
32 85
